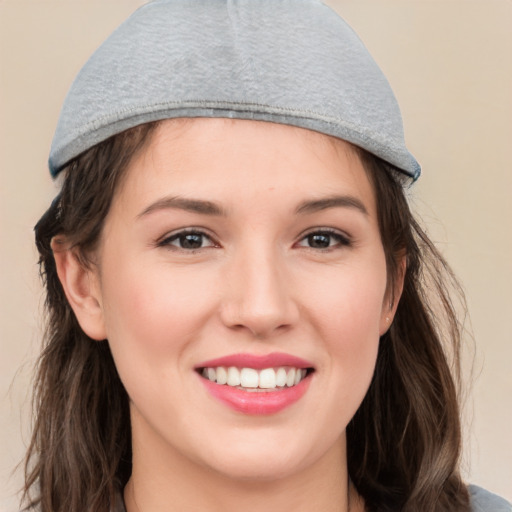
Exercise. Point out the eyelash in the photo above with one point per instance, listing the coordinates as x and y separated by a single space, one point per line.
180 237
342 240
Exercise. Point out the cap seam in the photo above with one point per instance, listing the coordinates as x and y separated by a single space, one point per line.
216 104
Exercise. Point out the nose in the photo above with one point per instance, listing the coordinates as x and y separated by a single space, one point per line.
258 294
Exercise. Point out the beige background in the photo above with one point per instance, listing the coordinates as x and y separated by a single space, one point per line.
450 64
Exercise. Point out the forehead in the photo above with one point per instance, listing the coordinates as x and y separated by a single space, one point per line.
229 159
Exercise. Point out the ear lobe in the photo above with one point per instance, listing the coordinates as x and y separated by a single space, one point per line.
81 287
392 297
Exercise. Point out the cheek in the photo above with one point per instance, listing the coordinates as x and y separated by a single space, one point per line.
152 301
151 317
347 305
347 314
351 331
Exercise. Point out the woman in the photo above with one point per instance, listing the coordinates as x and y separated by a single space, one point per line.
235 284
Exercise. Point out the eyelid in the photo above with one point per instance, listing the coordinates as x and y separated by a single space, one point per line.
165 241
344 238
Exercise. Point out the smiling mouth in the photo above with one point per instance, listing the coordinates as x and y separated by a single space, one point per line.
256 380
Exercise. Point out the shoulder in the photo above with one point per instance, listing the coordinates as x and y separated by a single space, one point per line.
485 501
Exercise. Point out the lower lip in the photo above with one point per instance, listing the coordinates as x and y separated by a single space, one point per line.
257 402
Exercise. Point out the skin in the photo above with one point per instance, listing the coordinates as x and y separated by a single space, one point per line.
257 284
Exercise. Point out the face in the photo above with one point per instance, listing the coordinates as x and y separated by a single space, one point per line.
254 248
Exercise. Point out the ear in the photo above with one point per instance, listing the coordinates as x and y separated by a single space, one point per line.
81 286
392 296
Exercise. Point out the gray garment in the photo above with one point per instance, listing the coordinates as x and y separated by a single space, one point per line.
481 501
293 62
485 501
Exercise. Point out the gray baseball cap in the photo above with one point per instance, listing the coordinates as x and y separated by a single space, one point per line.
294 62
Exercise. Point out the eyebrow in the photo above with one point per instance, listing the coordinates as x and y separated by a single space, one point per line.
182 203
210 208
316 205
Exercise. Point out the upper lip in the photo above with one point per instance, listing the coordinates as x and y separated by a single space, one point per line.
258 362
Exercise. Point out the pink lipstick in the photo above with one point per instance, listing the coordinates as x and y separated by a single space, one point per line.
257 362
256 384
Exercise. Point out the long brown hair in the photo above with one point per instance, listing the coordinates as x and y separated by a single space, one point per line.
403 443
80 452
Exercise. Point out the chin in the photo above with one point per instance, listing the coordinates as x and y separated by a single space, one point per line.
264 458
256 468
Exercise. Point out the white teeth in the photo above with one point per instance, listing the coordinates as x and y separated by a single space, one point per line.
251 379
281 377
290 379
222 375
233 376
267 378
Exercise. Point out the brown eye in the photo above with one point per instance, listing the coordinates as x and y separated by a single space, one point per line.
319 241
324 240
188 240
